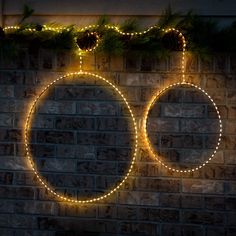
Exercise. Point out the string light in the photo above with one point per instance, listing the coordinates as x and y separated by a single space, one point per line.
155 98
11 28
80 60
181 36
148 143
93 27
27 139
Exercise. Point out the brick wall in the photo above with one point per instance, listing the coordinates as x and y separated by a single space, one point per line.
81 139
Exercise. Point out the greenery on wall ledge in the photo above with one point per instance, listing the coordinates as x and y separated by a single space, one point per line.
203 36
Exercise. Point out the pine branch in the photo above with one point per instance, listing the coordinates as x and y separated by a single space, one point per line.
27 12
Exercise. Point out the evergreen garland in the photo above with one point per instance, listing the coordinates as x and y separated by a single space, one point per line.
203 37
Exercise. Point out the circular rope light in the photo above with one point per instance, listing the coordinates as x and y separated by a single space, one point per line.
146 138
27 139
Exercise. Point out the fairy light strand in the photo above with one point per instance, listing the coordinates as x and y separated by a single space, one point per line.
181 36
116 28
94 27
155 98
80 61
27 139
146 138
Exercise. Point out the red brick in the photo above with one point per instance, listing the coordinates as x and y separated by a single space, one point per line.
186 110
10 135
107 212
6 178
218 95
107 139
31 92
138 228
138 198
211 171
68 210
74 123
231 219
56 165
162 185
170 200
121 124
11 77
17 192
34 207
6 120
191 201
163 125
158 215
181 230
230 203
102 62
97 167
127 213
231 231
57 107
217 231
70 181
199 217
56 137
230 172
25 178
231 98
115 153
6 149
202 186
215 203
215 81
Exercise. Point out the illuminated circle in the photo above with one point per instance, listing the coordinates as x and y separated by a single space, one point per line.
151 148
27 139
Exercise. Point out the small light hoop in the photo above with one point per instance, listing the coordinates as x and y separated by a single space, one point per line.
149 145
27 143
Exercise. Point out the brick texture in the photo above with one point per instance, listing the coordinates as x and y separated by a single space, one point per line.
82 139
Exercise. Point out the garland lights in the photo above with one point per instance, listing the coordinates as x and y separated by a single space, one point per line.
148 143
27 139
34 103
86 39
204 36
155 98
89 47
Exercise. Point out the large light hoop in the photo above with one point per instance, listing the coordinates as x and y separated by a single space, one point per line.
28 129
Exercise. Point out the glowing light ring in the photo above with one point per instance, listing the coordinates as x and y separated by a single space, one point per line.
149 145
27 148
